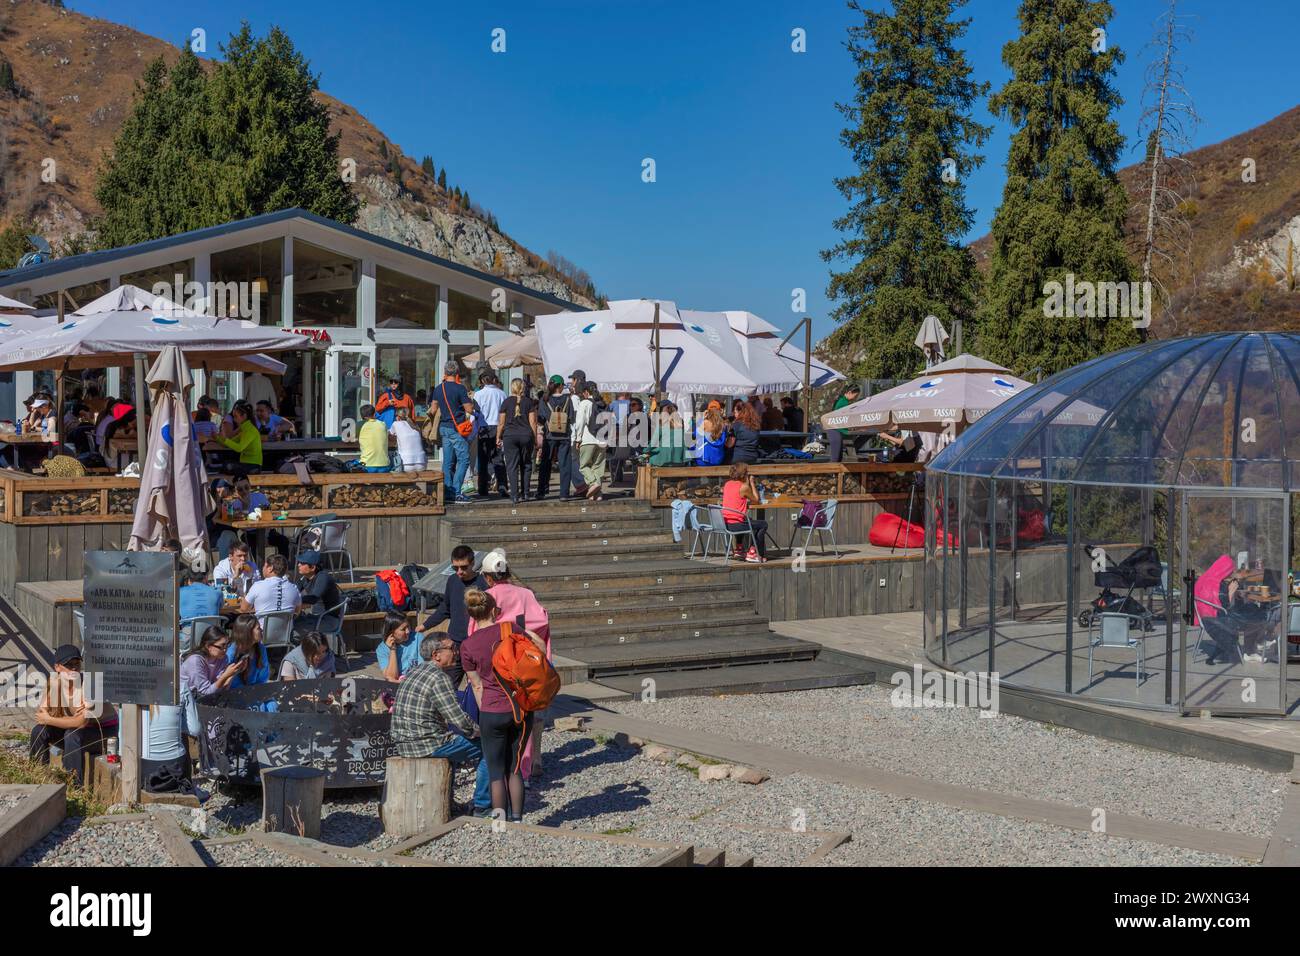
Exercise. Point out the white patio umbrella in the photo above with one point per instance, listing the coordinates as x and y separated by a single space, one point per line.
510 352
932 339
759 341
615 348
950 395
14 325
128 321
174 498
13 305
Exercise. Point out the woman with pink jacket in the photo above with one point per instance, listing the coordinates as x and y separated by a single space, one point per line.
514 600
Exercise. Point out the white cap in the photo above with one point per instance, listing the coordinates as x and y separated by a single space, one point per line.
494 562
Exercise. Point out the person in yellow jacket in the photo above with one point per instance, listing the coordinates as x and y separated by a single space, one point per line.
246 441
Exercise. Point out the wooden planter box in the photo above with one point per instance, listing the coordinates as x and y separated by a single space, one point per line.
783 481
111 500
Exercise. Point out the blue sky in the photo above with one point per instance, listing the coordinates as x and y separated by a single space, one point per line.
551 134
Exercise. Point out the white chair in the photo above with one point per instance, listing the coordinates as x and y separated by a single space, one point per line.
823 522
701 524
192 628
330 539
1114 630
729 532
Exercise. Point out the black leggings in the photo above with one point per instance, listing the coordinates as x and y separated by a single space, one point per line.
519 463
503 742
759 535
75 743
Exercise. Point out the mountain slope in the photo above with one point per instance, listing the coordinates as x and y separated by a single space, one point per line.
75 77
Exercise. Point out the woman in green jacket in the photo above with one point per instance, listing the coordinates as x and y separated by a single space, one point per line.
246 441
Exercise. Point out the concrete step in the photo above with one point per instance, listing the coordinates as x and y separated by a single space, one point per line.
561 542
737 625
761 678
646 614
615 593
539 523
607 660
615 552
559 580
503 510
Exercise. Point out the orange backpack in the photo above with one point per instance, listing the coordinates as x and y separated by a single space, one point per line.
523 672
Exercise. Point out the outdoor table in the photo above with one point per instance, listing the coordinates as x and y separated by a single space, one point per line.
25 442
263 527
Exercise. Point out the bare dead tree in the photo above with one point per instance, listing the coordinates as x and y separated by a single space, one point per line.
1167 124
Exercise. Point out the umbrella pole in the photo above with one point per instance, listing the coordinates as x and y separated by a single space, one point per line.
58 409
140 437
807 373
655 396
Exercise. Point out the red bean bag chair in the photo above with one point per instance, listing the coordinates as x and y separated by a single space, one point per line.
891 531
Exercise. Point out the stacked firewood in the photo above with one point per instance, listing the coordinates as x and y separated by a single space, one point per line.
61 503
380 496
292 497
121 501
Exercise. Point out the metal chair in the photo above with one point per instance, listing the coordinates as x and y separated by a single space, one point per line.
330 539
1170 596
277 631
333 633
1114 630
737 529
192 628
1235 643
825 509
702 525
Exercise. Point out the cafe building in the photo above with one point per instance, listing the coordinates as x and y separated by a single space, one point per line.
376 308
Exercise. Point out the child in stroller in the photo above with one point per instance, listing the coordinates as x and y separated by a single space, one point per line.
1141 569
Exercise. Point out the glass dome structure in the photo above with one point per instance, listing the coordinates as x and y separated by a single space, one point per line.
1123 531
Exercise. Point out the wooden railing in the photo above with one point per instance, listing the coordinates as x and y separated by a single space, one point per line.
791 481
28 500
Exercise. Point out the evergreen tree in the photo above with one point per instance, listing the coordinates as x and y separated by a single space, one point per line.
13 242
430 170
7 84
442 180
199 150
1063 207
912 139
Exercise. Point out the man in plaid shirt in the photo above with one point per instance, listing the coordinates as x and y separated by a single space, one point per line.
428 720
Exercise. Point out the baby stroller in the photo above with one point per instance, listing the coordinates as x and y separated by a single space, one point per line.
1141 569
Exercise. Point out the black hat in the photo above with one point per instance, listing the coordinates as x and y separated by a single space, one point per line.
67 652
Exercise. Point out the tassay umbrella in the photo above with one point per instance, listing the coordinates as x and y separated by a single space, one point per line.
174 499
615 347
13 305
128 321
949 396
14 325
772 370
511 352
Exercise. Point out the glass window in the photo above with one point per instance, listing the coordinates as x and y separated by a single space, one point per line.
415 365
324 288
402 302
464 311
248 281
80 294
170 280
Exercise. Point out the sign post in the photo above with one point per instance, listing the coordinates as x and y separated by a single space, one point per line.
131 641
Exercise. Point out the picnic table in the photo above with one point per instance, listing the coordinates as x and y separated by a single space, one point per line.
26 442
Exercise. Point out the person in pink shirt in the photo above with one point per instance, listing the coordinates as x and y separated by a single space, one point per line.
514 600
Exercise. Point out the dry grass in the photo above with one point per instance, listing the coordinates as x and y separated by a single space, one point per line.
17 767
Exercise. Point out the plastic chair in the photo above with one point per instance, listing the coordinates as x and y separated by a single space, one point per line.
1114 630
737 529
192 628
827 509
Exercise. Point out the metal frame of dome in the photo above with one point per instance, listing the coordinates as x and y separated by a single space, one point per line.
1185 445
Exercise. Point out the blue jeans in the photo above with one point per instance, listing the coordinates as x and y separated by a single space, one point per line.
455 459
463 750
379 469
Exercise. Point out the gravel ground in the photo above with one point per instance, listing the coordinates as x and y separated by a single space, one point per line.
1003 754
10 799
73 843
476 845
247 853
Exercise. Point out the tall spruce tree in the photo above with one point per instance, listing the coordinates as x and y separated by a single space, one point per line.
200 149
913 141
1063 207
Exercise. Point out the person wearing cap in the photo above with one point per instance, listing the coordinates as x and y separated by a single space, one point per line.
514 601
66 719
40 414
320 592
